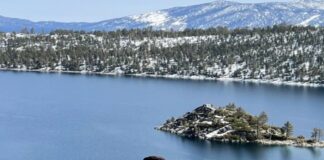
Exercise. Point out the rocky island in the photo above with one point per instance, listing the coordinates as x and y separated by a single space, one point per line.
234 125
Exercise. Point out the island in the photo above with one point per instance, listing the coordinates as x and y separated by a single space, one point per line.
231 124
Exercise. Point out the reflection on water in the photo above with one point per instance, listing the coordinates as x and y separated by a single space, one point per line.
208 150
315 152
286 153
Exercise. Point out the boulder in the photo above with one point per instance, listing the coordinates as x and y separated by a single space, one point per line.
153 158
204 109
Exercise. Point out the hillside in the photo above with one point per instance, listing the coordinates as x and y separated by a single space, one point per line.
281 54
218 13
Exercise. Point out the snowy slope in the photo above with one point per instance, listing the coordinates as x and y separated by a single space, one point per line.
218 13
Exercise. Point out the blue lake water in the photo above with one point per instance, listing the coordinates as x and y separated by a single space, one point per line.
86 117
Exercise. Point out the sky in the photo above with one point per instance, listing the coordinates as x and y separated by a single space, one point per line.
89 10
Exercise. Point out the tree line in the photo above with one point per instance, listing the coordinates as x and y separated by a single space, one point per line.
286 53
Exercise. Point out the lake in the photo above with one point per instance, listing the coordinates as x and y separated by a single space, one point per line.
51 116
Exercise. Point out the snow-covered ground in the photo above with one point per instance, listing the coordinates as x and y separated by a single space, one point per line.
306 22
225 79
167 42
218 13
219 132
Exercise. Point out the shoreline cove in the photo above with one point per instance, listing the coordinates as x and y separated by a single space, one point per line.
175 76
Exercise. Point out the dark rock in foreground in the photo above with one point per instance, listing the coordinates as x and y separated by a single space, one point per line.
153 158
231 124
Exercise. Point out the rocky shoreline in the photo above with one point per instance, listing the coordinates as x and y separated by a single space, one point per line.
169 76
232 124
294 143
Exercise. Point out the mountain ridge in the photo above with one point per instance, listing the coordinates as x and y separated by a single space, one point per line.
217 13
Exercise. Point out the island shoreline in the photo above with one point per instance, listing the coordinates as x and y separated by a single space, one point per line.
262 142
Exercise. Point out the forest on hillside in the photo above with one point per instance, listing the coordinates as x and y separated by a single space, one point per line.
279 53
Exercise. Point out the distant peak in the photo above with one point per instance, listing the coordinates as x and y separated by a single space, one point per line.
311 1
219 1
222 2
315 4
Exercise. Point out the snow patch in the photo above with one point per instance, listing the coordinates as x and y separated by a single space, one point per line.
154 18
220 132
307 21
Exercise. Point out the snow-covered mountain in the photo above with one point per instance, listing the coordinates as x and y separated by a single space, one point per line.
217 13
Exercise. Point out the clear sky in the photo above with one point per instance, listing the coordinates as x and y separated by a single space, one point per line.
89 10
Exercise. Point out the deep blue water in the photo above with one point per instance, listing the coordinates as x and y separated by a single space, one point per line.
86 117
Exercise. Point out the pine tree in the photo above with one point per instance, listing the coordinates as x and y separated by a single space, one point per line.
262 119
288 128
